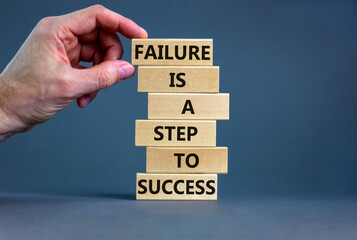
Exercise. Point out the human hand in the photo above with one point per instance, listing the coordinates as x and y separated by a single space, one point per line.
45 76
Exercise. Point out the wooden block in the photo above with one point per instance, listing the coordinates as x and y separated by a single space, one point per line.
186 160
177 52
178 79
175 133
176 186
188 106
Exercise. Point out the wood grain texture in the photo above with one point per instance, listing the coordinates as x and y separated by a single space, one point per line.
176 186
164 79
187 160
185 133
188 106
170 51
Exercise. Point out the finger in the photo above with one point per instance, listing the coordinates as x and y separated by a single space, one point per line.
74 55
87 20
100 76
80 66
89 37
110 48
88 51
86 99
111 45
91 52
98 56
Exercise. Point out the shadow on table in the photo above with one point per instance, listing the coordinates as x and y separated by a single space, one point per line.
123 196
20 198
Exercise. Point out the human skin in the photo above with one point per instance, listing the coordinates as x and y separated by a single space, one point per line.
45 77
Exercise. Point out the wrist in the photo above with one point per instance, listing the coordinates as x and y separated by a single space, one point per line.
5 131
6 123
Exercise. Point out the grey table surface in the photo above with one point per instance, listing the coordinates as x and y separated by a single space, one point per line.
29 216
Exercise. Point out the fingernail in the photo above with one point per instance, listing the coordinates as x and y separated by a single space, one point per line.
126 71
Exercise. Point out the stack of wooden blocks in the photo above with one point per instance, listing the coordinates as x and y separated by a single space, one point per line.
182 160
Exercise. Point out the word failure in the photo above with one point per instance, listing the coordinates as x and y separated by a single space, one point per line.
171 52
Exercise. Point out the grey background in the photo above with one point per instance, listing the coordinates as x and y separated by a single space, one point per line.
291 70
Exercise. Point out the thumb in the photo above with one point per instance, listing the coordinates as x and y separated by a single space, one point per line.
102 76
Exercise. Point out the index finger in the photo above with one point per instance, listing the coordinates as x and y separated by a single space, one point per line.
86 20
